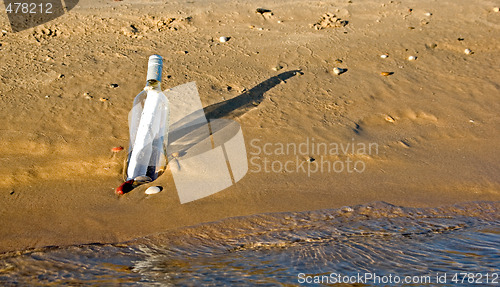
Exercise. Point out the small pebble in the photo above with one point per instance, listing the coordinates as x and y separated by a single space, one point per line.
152 190
467 51
125 187
431 45
385 74
338 71
389 119
384 56
113 85
277 68
263 10
223 39
428 14
412 58
496 9
347 209
103 100
117 149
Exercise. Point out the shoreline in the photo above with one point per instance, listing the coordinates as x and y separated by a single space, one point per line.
472 209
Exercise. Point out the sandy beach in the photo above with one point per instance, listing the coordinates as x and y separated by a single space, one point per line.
67 86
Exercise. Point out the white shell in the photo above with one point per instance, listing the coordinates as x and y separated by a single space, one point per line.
428 14
338 71
383 56
152 190
467 51
496 9
412 58
223 39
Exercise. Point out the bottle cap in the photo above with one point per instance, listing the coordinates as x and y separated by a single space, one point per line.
155 66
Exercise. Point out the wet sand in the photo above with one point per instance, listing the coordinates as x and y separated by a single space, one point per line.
435 119
283 248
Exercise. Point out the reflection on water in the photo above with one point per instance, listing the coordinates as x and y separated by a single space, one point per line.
272 249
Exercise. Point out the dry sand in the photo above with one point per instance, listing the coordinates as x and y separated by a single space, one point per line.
435 119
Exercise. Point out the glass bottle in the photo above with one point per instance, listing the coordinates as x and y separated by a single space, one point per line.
148 126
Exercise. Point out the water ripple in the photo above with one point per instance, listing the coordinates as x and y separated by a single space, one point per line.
272 249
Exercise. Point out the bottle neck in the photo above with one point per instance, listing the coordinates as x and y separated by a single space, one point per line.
152 85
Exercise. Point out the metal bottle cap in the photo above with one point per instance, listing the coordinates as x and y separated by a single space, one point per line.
155 66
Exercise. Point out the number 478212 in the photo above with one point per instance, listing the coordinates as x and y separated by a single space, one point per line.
29 8
475 278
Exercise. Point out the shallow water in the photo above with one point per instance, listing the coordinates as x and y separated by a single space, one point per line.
383 240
